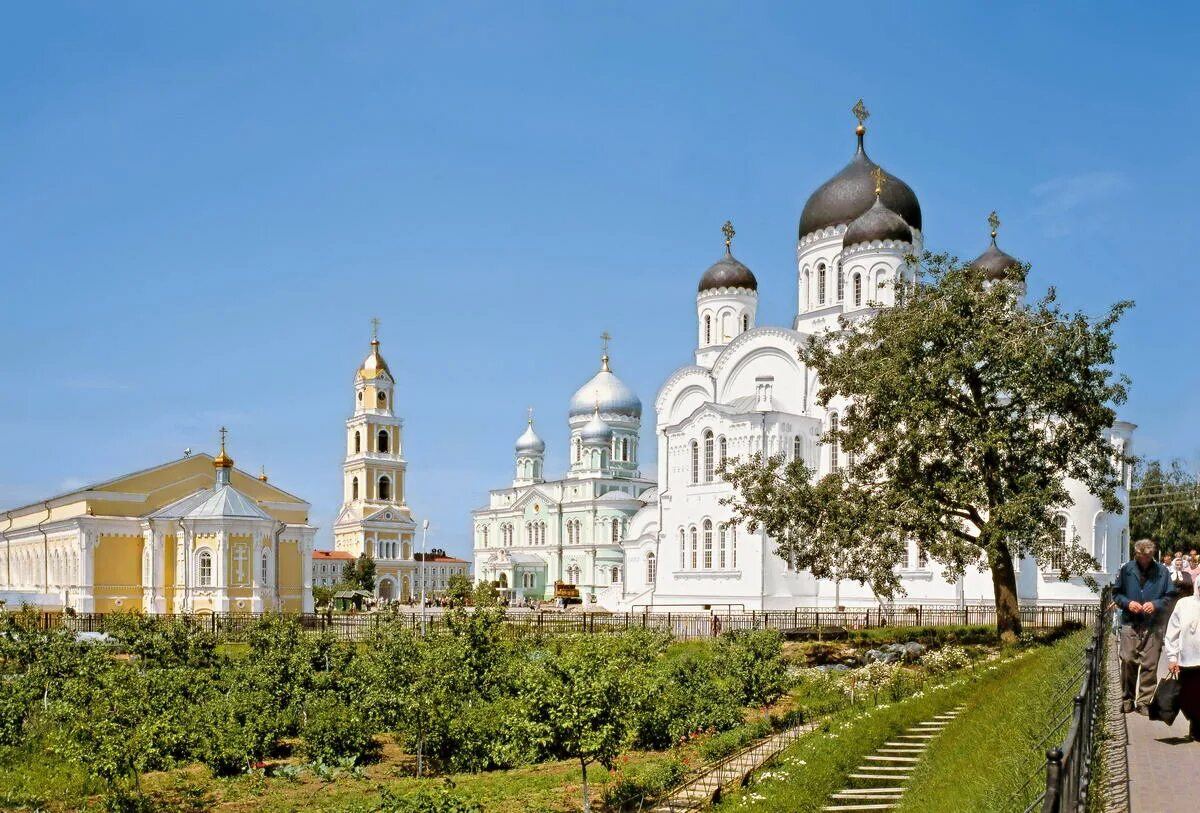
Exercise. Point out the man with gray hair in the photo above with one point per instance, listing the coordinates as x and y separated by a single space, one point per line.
1142 590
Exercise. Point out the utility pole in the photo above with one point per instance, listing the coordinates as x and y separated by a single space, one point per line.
424 532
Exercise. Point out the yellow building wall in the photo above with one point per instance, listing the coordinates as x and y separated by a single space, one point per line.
291 576
169 552
118 573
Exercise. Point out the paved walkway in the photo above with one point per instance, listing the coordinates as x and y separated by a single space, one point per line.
1160 759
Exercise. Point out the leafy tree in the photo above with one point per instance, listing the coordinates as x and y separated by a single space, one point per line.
486 595
336 730
360 573
322 597
459 590
1164 505
163 642
589 692
964 410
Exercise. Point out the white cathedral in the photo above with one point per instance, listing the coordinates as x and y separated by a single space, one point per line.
631 543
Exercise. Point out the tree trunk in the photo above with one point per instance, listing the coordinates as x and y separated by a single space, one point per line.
1004 587
420 748
587 806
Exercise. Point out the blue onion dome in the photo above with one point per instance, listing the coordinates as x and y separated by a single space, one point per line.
877 223
995 263
529 442
596 431
612 394
851 192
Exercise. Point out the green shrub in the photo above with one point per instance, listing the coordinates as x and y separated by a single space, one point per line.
684 697
334 731
751 663
426 800
725 743
240 727
947 659
644 782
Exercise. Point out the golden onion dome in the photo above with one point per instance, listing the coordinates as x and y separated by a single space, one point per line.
222 460
373 365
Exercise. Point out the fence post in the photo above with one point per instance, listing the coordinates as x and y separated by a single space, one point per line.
918 615
1053 781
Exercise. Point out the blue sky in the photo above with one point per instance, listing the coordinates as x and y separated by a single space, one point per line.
201 207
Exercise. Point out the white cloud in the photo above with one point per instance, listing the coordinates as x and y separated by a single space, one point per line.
1077 202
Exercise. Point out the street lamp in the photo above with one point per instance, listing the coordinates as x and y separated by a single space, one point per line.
424 532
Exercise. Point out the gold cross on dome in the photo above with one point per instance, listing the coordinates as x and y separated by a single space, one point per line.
223 432
728 231
994 222
604 337
860 112
375 329
879 180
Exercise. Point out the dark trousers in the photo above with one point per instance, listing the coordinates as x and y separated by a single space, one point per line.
1139 646
1189 698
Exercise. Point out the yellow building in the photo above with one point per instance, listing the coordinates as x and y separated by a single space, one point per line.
191 535
374 517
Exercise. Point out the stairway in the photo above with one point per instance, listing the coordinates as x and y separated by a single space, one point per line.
878 783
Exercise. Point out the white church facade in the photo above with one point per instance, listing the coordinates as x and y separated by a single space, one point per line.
746 391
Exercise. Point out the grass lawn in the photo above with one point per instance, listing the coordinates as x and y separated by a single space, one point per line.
999 741
803 776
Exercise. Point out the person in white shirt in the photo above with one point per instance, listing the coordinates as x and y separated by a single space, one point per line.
1182 647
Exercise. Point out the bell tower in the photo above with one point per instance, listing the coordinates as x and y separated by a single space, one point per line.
375 518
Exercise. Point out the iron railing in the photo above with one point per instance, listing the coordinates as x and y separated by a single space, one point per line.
1069 765
802 621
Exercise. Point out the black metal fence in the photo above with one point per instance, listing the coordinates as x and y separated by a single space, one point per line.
232 627
1069 765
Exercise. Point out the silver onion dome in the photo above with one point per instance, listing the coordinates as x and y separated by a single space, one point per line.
529 442
596 431
609 392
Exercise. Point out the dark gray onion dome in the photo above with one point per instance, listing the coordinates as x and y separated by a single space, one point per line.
877 223
727 272
994 263
851 192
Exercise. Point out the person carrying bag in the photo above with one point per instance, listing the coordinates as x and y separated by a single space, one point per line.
1182 648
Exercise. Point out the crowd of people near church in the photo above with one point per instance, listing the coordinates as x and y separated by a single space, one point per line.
1157 611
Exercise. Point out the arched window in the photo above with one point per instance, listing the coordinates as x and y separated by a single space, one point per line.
797 448
354 488
721 546
682 549
833 442
821 284
1061 525
483 535
722 451
383 441
841 285
857 290
745 322
625 449
265 567
385 488
733 546
1100 539
616 575
578 450
528 533
694 547
707 329
616 530
708 544
204 569
695 462
357 442
651 568
850 461
922 556
708 456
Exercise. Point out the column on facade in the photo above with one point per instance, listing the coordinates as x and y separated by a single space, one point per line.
256 582
85 600
221 582
305 544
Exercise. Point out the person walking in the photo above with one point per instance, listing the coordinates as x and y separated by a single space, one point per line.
1182 647
1142 589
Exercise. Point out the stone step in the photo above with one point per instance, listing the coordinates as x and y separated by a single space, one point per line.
892 768
875 790
868 793
878 777
920 746
860 807
893 759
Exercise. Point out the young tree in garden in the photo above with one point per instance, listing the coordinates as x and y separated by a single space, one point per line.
590 694
1164 505
965 412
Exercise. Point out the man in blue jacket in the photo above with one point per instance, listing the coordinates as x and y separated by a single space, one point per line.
1142 589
